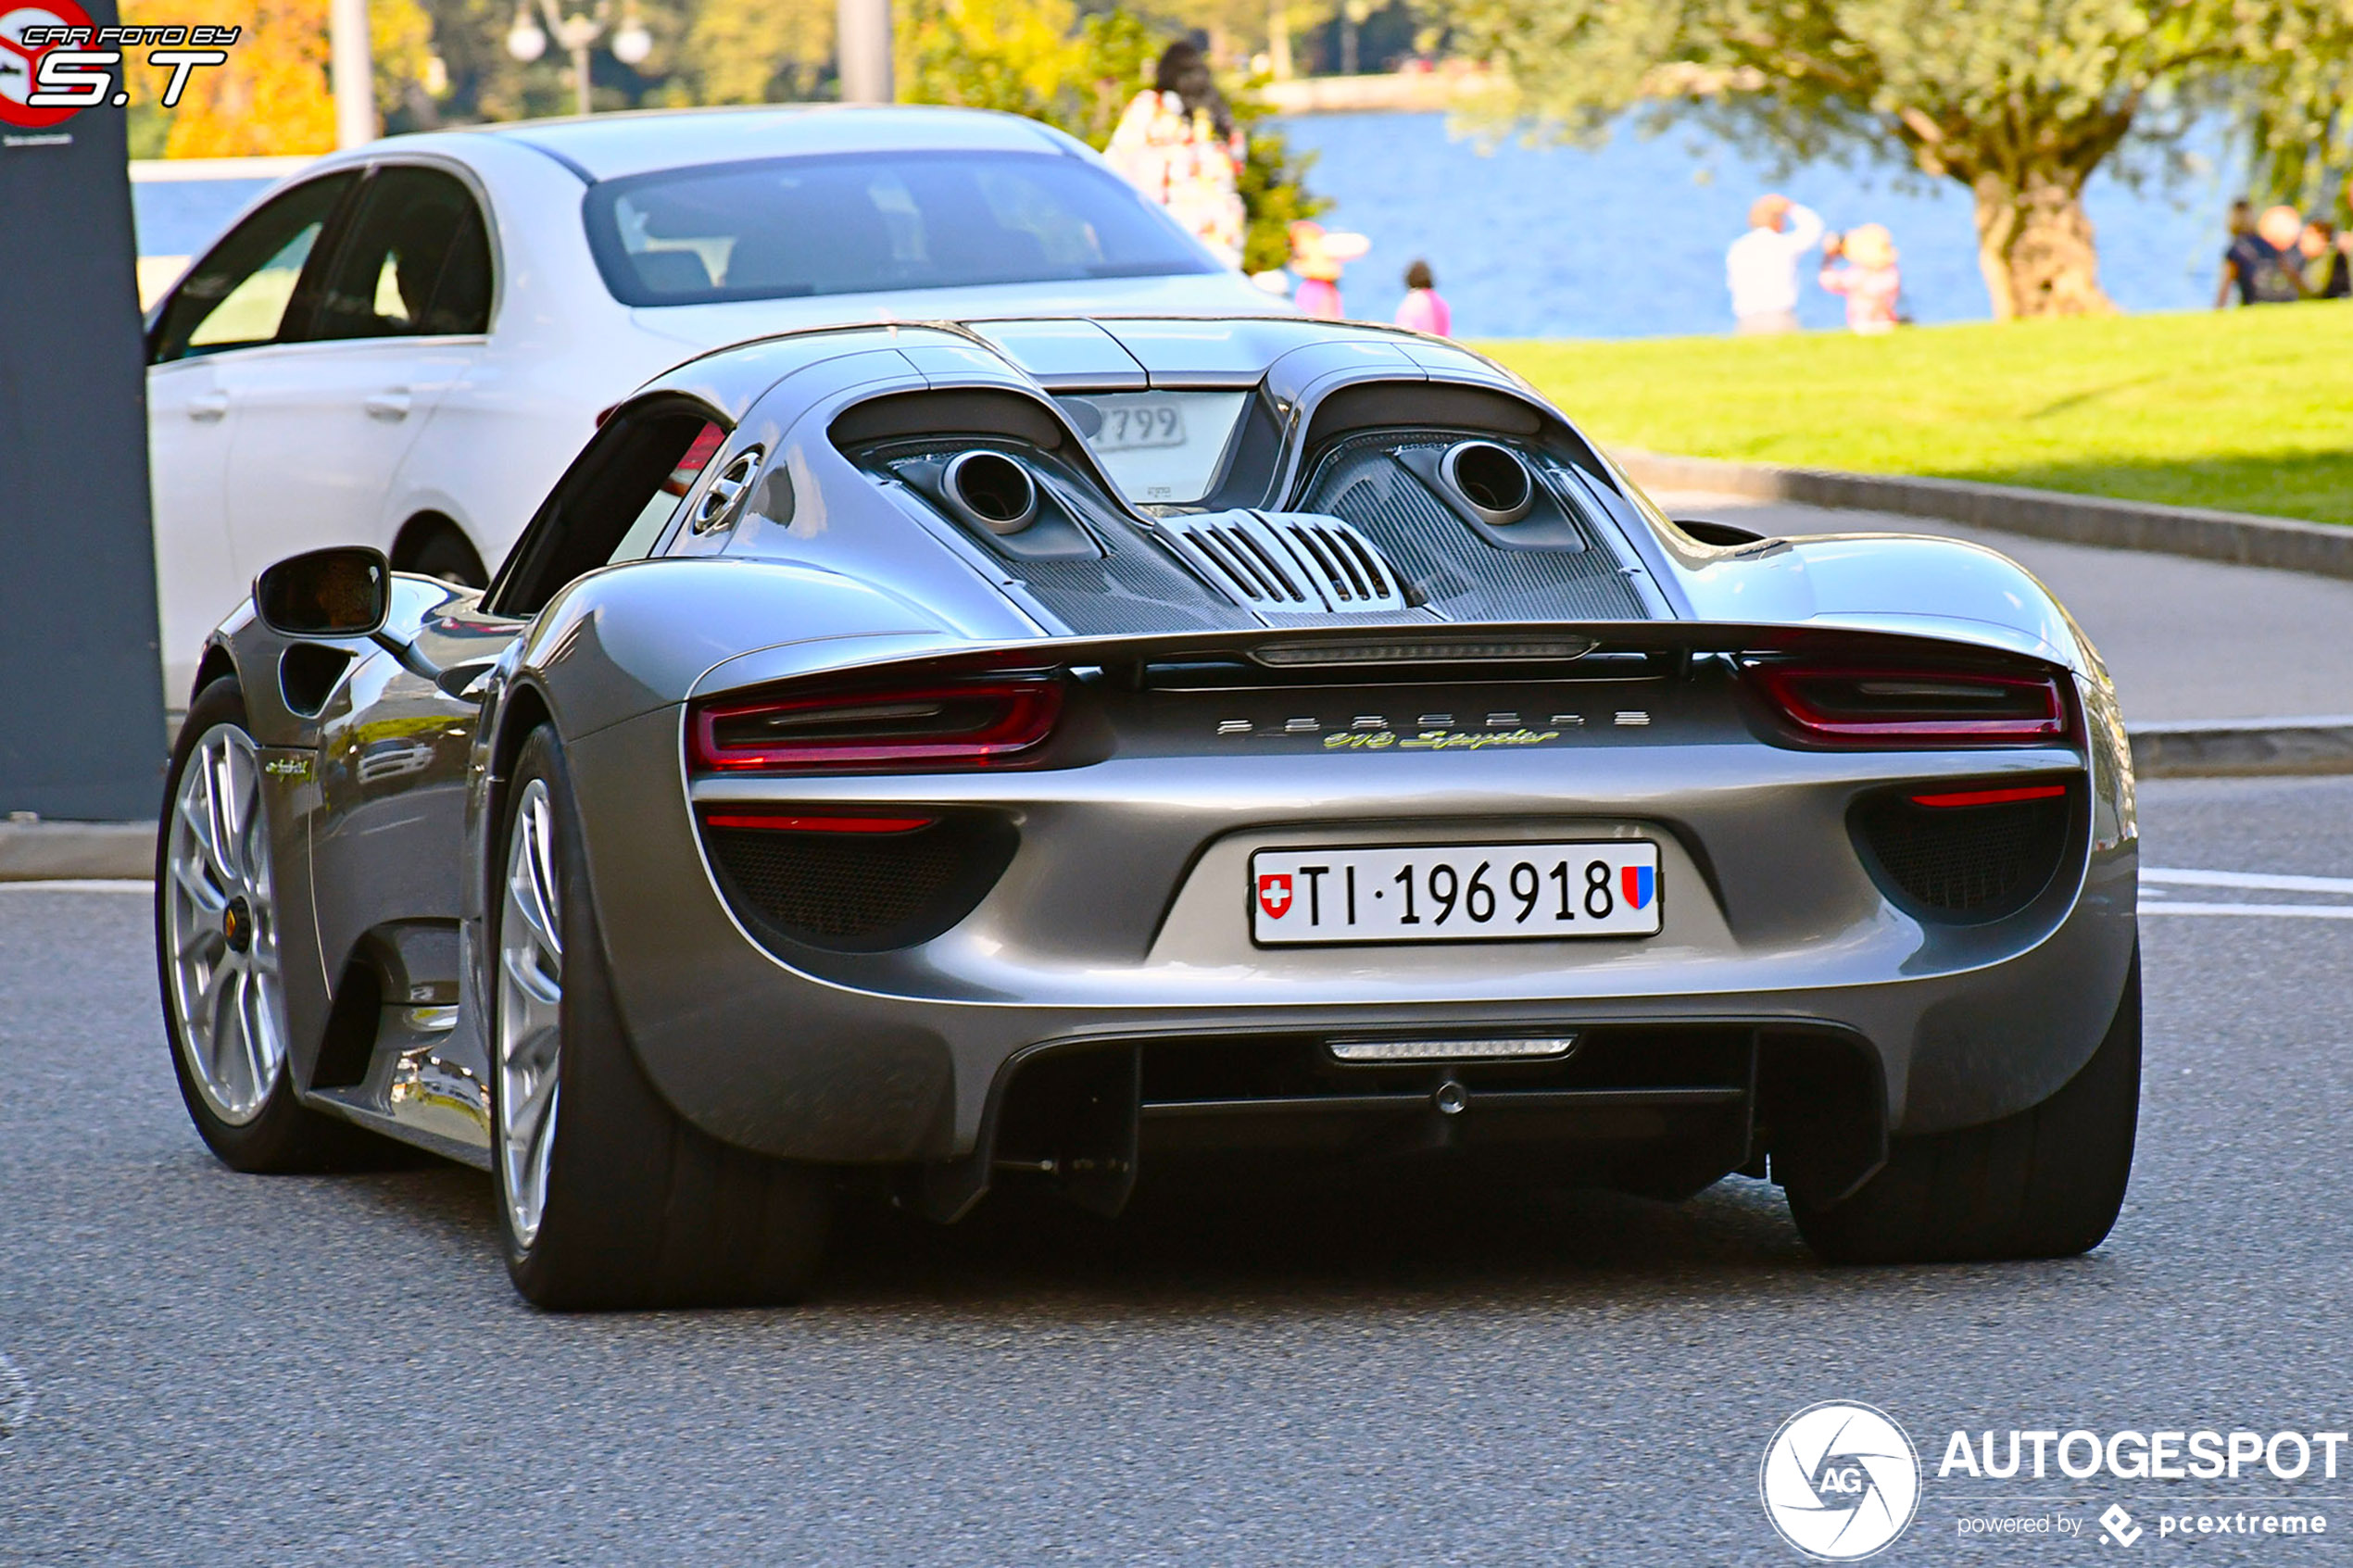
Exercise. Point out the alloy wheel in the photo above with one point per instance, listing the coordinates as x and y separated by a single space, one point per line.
531 952
221 920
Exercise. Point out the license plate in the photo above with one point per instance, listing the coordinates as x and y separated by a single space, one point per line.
1132 422
1455 892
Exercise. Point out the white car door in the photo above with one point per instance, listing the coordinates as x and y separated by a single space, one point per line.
322 425
232 306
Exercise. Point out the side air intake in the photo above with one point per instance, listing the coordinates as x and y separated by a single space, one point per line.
1301 562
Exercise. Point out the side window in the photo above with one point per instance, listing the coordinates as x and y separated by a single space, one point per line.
414 262
243 291
645 530
611 505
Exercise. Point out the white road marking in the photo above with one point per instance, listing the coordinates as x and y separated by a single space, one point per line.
2308 911
2269 882
140 885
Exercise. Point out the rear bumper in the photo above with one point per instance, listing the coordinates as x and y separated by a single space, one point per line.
897 1058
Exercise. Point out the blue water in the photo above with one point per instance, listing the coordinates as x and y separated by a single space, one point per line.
180 216
1624 242
1629 240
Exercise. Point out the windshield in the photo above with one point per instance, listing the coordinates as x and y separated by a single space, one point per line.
863 222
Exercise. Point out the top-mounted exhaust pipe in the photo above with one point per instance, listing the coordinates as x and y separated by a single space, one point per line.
991 491
1491 480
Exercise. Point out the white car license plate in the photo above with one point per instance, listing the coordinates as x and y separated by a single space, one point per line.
1455 892
1132 422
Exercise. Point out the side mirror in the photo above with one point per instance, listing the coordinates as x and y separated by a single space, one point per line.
342 592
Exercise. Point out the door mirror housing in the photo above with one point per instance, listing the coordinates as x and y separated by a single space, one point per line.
342 592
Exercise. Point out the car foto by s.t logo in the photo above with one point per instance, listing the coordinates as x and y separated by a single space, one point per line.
55 62
1841 1481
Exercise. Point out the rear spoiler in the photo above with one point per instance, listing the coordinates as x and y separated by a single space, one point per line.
1494 645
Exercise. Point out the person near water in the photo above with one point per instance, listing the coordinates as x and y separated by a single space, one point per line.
2320 252
1177 143
1317 257
2261 262
1870 280
1424 309
1761 266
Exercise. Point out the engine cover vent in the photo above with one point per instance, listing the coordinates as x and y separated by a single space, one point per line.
1301 562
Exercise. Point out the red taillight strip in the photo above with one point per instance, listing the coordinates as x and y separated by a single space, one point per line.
815 824
1785 685
1026 709
1991 797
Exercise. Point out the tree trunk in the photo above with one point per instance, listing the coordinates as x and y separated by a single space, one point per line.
2036 246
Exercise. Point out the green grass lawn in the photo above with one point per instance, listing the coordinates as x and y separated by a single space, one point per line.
2248 410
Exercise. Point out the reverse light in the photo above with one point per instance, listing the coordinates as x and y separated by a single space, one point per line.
992 721
1848 705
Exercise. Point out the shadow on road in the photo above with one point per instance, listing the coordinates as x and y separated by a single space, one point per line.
1206 1247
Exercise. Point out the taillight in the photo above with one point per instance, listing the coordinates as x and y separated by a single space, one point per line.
2011 796
992 721
1848 705
775 821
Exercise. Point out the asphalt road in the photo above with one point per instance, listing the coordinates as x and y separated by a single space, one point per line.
2183 638
207 1368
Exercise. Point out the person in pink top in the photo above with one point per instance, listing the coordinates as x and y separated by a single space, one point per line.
1424 309
1870 280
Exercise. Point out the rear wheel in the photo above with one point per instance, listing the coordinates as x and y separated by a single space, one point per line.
218 956
2045 1183
606 1198
443 551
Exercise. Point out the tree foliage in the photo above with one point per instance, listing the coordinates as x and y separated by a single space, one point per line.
272 95
2020 100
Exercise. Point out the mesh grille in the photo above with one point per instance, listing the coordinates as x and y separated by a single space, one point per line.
1459 572
1980 863
855 890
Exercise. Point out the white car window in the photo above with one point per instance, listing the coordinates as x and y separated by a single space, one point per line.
858 222
414 262
242 293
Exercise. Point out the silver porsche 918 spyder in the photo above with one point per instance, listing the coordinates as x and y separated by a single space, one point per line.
1044 751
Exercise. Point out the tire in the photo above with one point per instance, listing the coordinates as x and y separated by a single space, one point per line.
446 553
218 958
2045 1183
606 1198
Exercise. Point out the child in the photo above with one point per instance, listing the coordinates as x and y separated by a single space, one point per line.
1317 256
1870 280
1424 309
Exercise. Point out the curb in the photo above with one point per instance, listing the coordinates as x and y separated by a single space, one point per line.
2241 538
76 851
2223 747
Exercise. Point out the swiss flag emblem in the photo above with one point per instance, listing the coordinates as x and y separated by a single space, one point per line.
1274 895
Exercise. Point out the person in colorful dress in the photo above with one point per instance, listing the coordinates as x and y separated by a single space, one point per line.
1870 280
1424 309
1178 144
1317 257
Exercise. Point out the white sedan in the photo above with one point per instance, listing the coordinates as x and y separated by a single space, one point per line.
405 345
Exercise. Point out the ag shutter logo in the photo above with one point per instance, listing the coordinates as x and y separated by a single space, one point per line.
1841 1481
